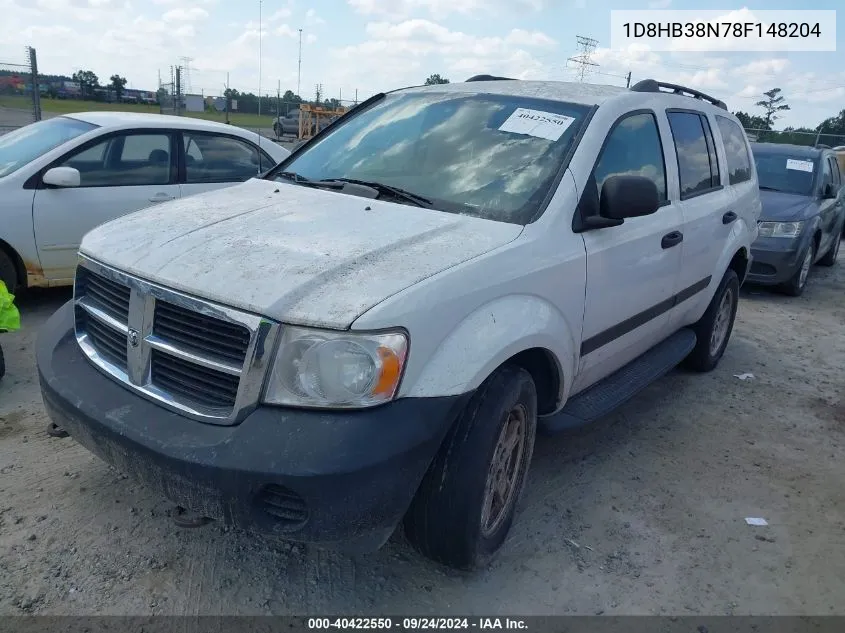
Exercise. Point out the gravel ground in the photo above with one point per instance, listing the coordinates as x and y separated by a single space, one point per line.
641 514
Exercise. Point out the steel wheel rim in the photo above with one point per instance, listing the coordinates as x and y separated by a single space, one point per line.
722 322
805 268
502 478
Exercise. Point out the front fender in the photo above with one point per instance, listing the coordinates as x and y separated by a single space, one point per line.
491 335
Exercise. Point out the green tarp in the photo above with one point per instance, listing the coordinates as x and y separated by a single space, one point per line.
10 318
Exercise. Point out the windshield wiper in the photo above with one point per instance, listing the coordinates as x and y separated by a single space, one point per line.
765 188
290 175
382 188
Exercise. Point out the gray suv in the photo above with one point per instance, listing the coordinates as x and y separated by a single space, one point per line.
803 214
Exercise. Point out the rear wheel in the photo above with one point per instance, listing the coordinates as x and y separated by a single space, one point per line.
8 273
466 503
713 330
832 254
795 286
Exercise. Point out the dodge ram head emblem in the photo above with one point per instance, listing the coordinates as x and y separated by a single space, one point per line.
132 336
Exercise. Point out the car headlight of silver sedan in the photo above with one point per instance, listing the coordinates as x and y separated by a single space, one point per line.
344 370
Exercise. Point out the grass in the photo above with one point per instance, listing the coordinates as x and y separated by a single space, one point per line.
68 106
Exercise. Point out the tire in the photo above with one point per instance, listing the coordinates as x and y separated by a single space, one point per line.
832 253
2 363
445 519
8 273
714 329
795 286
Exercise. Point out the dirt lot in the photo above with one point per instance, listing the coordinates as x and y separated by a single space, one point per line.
643 513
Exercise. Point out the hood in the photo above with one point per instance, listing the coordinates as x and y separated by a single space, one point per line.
294 254
786 207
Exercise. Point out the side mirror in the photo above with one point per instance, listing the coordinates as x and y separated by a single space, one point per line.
829 191
62 177
628 197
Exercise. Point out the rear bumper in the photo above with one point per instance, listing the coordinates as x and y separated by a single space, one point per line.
339 479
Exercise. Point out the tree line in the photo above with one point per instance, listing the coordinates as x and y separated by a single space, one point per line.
831 131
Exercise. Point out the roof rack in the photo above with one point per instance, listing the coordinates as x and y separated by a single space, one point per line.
490 78
650 85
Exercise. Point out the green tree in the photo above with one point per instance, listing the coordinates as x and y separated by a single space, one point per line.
87 81
118 84
773 103
435 79
752 122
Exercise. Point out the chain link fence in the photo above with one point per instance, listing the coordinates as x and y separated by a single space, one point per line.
794 137
20 92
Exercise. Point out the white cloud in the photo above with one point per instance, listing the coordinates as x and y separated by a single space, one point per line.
659 4
310 38
521 37
758 67
285 30
185 15
400 9
281 14
312 19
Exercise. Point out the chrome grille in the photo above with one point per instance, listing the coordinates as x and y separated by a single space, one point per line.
199 358
201 334
198 384
105 294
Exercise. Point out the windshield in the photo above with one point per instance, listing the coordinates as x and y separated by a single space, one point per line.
786 173
484 155
28 143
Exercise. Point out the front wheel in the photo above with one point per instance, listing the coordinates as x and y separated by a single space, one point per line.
466 503
714 329
832 254
795 286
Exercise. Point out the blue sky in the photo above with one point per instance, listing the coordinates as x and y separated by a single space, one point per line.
372 45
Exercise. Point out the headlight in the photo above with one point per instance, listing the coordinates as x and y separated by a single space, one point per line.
315 368
780 229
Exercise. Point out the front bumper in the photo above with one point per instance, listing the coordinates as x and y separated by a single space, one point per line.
341 479
775 260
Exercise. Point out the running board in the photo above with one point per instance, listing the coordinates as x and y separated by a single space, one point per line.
608 394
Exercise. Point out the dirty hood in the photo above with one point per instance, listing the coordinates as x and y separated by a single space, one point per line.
291 253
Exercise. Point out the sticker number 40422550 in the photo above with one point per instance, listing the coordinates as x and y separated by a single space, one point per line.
799 165
537 123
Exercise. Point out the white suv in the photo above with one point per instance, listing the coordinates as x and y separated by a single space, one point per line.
377 330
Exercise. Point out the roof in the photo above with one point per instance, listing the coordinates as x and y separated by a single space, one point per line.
573 92
107 118
780 148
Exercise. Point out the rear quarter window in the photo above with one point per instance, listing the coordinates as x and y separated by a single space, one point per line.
736 150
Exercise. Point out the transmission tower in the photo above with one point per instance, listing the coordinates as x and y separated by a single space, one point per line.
586 46
186 74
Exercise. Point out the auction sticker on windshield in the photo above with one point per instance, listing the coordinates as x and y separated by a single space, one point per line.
799 165
537 123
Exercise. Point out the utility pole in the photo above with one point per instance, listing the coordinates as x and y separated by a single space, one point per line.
36 90
356 96
628 84
587 45
178 90
299 68
260 33
228 96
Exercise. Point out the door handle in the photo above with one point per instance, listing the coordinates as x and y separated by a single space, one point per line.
729 217
672 239
162 197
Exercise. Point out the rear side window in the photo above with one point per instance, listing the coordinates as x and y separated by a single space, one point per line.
697 162
834 171
739 163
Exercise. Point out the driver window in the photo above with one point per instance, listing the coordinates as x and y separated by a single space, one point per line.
827 176
633 148
124 160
